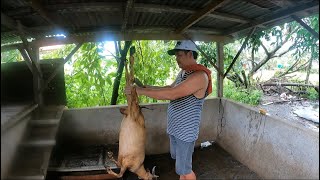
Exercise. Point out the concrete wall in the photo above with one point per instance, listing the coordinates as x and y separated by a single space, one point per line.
10 140
101 125
273 148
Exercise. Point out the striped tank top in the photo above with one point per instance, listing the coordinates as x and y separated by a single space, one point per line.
184 114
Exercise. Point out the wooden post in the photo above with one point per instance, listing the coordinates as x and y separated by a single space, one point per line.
37 81
220 58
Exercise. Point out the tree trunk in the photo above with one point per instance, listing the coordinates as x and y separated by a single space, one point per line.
308 71
116 83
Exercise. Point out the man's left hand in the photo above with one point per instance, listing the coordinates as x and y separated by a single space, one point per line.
127 90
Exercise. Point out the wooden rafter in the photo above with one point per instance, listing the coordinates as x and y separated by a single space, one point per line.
201 14
257 4
312 31
26 58
239 52
127 13
30 52
36 4
271 17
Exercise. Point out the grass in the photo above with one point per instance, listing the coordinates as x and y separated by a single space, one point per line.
249 96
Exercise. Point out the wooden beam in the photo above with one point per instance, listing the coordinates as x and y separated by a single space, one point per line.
229 17
282 3
55 72
220 64
111 36
312 31
239 52
255 3
26 59
275 16
201 14
36 5
30 52
127 13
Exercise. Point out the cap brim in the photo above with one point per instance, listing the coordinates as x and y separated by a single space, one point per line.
172 52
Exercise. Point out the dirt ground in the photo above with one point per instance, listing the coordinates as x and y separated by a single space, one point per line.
286 110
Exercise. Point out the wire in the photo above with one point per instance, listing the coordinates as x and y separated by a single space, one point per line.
222 120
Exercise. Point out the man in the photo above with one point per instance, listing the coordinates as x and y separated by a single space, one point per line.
186 96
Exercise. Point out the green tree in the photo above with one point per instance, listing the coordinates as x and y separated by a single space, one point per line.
11 56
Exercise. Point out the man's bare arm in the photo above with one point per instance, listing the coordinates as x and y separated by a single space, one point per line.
191 85
140 84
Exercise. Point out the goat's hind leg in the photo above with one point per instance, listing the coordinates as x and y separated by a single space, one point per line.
110 156
122 170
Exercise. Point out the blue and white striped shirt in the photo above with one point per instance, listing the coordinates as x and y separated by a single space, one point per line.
184 114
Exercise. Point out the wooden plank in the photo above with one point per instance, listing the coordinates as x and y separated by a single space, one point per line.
201 14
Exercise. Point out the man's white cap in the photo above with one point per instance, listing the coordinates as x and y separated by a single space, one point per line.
183 45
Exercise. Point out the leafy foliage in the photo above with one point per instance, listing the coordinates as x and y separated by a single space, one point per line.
89 83
11 56
312 94
247 96
153 66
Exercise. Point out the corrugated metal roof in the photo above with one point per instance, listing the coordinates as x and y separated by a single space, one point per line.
146 19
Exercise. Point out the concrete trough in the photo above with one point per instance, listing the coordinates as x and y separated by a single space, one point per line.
271 147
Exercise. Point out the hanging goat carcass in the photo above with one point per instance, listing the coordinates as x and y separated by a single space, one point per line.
132 137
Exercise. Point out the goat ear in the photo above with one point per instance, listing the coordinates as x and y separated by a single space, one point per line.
124 111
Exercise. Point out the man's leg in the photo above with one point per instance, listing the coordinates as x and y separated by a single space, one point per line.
190 176
184 151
